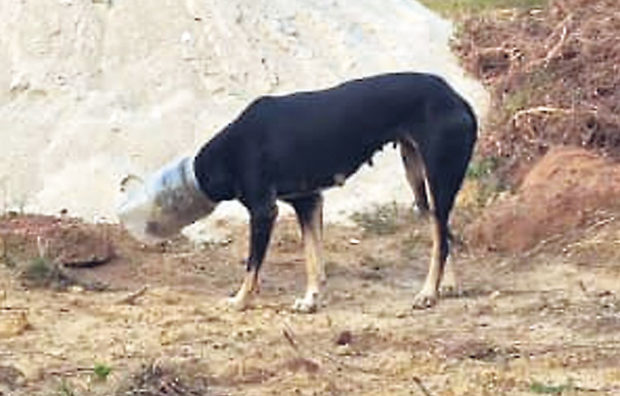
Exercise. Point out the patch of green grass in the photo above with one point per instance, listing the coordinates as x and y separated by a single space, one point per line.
102 371
545 389
517 101
538 82
5 257
380 220
488 185
38 270
64 389
415 243
451 8
482 167
43 272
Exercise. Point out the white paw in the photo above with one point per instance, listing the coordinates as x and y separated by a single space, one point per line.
237 303
424 300
308 304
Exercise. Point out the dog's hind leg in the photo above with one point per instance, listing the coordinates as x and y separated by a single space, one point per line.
445 160
414 168
416 176
427 297
262 218
309 210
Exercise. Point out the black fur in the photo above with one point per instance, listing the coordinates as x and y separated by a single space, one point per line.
291 147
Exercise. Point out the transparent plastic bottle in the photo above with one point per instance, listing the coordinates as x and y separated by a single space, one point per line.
163 204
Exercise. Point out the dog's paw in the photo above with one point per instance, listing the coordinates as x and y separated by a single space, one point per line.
308 304
424 301
236 303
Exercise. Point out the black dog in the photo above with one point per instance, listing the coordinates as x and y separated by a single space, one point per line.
292 147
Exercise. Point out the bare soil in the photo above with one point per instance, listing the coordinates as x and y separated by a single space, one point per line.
547 322
566 193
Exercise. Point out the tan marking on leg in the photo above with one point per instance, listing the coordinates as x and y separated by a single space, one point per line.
449 284
416 174
317 225
248 288
315 269
427 297
414 169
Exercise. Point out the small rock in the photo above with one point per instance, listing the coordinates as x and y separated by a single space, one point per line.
344 338
76 289
344 350
354 241
495 295
13 324
402 314
186 37
11 377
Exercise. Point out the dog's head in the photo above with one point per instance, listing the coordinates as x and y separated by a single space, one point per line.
158 208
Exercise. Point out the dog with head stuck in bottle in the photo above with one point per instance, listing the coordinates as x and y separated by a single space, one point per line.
292 147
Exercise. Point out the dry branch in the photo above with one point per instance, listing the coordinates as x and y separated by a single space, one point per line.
547 110
132 297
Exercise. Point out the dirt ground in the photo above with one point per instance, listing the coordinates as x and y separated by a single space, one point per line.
546 322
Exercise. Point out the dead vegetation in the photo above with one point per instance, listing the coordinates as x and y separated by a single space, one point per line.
547 167
554 79
162 379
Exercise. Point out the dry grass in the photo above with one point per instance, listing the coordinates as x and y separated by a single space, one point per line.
552 77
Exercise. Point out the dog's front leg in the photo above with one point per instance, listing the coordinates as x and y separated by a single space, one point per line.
309 212
261 224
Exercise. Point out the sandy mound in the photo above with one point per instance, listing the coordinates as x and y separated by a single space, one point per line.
91 91
568 189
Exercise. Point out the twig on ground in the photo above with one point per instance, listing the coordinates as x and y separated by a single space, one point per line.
421 386
72 371
298 347
555 50
546 110
542 244
132 297
42 246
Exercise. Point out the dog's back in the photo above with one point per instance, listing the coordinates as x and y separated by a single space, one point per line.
305 139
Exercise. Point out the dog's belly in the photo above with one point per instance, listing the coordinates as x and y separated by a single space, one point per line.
305 186
323 173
